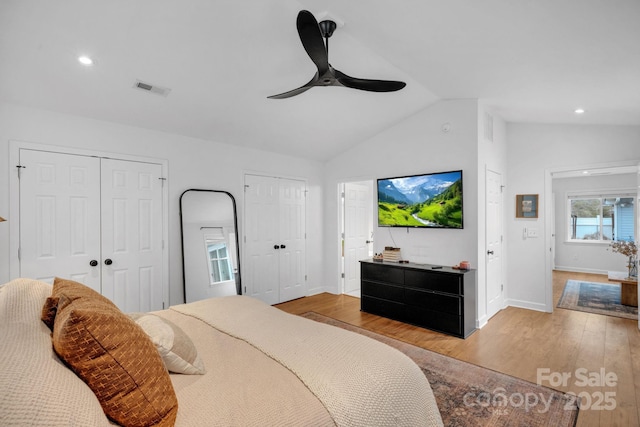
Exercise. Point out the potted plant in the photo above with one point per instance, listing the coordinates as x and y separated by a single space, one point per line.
630 250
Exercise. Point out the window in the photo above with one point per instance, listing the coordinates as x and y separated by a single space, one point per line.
219 262
217 252
602 217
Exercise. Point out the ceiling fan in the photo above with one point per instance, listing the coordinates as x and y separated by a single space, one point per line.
311 35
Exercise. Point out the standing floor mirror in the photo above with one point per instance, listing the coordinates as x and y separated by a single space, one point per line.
210 250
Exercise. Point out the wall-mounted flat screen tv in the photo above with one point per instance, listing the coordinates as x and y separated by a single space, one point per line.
431 200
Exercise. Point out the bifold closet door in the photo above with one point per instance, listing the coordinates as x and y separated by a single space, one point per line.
292 231
132 234
261 276
60 217
94 220
275 238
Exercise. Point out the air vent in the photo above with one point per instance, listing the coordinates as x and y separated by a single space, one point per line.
148 87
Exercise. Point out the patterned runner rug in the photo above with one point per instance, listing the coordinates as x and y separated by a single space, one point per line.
469 395
599 298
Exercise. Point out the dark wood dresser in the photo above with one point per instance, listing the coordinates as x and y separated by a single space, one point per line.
442 299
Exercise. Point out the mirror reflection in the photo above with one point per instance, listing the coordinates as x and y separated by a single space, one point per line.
210 252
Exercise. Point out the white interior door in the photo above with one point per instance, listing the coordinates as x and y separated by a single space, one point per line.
59 217
275 239
292 238
132 234
357 232
552 249
94 220
495 295
260 277
637 236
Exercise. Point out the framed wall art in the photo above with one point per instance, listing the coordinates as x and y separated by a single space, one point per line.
526 206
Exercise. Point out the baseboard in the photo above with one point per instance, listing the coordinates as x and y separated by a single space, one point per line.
527 304
580 270
481 322
315 291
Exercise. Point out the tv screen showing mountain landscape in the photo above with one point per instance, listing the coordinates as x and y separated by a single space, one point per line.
430 200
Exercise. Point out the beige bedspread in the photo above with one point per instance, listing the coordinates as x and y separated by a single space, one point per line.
241 386
315 375
36 389
360 381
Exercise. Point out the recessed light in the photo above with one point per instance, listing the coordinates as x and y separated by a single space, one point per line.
585 172
85 60
579 111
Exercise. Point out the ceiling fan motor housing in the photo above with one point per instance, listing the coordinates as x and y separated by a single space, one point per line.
327 28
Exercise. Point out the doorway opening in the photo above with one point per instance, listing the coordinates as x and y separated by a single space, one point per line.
565 253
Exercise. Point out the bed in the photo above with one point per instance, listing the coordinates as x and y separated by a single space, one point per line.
259 366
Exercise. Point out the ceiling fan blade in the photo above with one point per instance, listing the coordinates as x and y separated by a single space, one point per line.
312 40
312 37
313 82
366 84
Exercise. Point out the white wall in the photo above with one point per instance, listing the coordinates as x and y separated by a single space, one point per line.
416 145
533 150
193 163
589 257
492 155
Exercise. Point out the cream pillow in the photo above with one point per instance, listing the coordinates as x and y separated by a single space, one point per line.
175 347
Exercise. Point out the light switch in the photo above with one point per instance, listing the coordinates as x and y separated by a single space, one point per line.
532 232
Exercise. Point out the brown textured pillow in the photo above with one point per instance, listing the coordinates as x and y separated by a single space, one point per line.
49 311
113 355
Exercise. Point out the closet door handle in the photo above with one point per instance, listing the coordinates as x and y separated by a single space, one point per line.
108 261
276 247
489 252
93 263
282 246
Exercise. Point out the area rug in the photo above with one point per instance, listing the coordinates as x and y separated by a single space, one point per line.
599 298
469 395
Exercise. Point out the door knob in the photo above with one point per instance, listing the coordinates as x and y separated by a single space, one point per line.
282 246
276 247
489 252
108 261
93 263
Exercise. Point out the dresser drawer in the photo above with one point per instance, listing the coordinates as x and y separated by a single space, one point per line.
449 283
382 273
381 290
443 322
392 310
431 301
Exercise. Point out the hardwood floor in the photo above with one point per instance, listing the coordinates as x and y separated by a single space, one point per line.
520 342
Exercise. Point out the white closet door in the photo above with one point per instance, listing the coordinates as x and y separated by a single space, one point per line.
261 277
60 217
275 245
292 239
132 234
78 210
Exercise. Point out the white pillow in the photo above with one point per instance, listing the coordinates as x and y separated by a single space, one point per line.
175 347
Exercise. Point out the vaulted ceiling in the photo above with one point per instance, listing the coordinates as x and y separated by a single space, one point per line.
529 61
